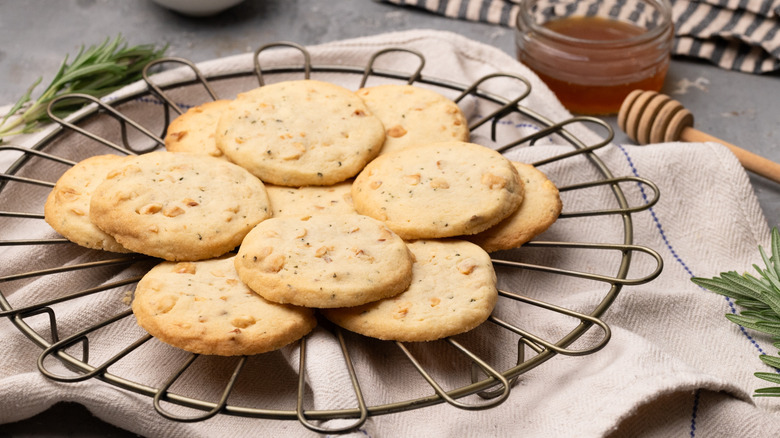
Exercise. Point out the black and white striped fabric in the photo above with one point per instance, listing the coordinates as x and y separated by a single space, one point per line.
741 35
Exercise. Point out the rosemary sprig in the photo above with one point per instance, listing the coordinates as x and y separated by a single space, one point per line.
96 71
759 298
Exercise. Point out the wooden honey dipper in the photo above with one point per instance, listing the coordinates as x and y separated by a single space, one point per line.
650 117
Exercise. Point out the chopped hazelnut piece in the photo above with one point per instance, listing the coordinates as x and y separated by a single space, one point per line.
184 268
173 211
243 321
396 131
150 208
440 183
493 181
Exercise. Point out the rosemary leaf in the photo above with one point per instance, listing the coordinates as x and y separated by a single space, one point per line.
770 273
746 284
765 283
768 315
767 392
769 278
769 324
752 305
776 250
772 361
96 70
22 100
754 324
769 377
772 299
759 302
722 287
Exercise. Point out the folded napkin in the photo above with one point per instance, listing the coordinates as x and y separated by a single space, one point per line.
674 365
737 35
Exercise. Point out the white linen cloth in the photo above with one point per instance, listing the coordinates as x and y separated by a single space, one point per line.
673 367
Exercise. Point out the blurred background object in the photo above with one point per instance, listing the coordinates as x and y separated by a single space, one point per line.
198 8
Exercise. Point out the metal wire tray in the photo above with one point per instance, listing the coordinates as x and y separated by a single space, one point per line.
491 386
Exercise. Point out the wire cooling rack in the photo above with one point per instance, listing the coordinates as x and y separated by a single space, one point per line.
71 356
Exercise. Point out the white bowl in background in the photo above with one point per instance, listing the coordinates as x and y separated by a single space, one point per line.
198 8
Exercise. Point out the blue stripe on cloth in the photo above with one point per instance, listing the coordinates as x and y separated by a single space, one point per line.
506 14
686 14
483 10
706 21
463 10
593 9
442 6
771 36
695 411
717 53
615 11
765 8
695 47
742 53
637 12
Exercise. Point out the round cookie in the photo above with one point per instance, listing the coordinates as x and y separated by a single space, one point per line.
311 200
414 115
67 206
179 206
324 261
204 308
299 133
195 130
540 208
453 290
438 190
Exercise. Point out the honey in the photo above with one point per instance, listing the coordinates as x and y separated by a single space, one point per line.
591 63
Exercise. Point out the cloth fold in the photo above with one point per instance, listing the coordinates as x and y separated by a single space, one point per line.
672 354
741 35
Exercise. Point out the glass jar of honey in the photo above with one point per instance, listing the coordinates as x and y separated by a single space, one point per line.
592 53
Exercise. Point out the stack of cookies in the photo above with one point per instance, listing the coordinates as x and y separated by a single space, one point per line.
370 207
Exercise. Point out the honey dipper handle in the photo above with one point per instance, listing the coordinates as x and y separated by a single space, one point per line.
750 161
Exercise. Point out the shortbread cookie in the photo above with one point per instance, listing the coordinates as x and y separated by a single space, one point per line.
453 290
195 130
204 308
67 206
413 115
540 208
438 190
299 133
179 206
324 261
307 201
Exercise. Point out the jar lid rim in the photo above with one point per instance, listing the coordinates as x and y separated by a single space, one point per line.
666 25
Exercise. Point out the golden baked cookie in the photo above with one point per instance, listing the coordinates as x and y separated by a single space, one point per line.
324 261
67 206
179 206
540 208
438 190
204 308
195 130
453 290
413 115
311 200
299 133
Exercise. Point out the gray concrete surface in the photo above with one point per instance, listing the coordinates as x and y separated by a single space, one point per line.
36 35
